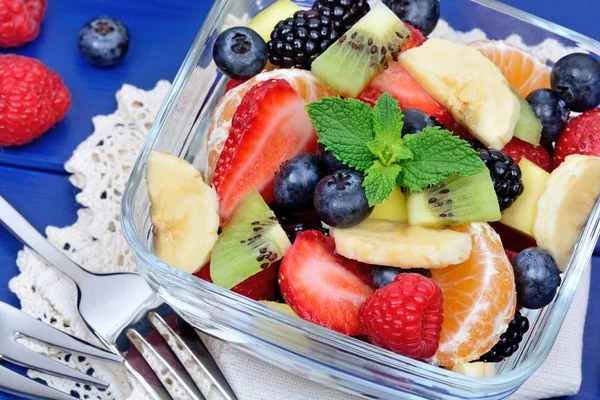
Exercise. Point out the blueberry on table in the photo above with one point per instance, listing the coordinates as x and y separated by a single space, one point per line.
340 199
422 14
552 112
328 160
536 276
575 78
296 181
103 41
416 120
240 53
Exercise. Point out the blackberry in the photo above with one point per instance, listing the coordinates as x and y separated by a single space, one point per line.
343 13
506 176
509 341
297 41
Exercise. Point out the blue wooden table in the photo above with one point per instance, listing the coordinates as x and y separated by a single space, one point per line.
162 31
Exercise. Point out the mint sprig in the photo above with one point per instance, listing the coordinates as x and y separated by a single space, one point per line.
345 128
370 140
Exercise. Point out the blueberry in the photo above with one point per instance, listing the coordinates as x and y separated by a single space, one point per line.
240 53
340 199
536 276
416 120
576 79
103 41
422 14
329 161
552 112
296 181
383 276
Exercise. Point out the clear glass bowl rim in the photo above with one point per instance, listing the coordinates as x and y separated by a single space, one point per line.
578 263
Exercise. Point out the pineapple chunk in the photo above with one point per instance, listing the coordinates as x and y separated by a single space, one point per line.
393 208
521 214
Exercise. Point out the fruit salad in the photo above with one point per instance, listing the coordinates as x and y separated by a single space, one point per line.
413 193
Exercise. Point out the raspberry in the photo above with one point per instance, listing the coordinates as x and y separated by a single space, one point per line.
405 316
32 99
20 21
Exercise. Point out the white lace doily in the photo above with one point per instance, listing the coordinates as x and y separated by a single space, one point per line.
100 167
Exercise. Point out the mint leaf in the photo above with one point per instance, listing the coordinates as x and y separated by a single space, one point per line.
387 126
344 127
380 181
437 154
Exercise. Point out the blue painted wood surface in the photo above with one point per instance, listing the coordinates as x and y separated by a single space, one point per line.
33 178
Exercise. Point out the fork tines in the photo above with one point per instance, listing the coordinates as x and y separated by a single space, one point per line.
15 324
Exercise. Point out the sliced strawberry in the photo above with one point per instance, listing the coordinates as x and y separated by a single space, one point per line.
402 87
269 127
517 149
415 40
581 136
261 286
232 84
323 287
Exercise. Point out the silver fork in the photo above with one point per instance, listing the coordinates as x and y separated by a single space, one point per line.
15 324
116 308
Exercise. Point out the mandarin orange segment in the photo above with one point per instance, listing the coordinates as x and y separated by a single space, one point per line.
479 299
304 82
523 70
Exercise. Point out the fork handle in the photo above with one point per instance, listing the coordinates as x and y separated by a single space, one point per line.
25 232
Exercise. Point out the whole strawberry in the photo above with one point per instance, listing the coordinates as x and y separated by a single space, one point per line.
405 316
32 99
20 21
581 136
517 149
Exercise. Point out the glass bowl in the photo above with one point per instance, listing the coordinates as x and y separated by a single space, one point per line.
300 347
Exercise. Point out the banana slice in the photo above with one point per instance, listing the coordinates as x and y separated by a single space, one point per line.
469 85
476 369
565 205
393 244
184 212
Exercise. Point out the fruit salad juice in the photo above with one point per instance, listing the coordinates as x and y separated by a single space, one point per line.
411 192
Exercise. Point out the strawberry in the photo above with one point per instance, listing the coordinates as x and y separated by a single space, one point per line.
518 149
232 84
511 239
415 40
405 316
270 126
260 286
581 136
323 287
402 87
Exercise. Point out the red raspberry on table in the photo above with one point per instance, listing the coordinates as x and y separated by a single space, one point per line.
517 149
581 136
32 99
405 316
20 21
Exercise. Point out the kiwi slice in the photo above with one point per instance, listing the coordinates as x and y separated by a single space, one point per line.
349 64
529 128
455 201
249 243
